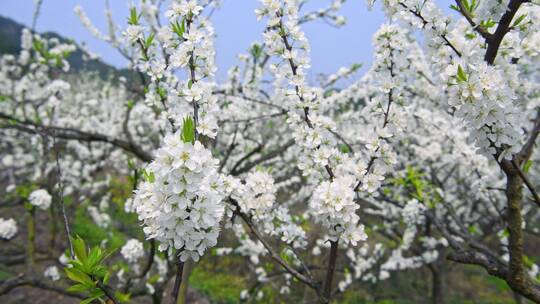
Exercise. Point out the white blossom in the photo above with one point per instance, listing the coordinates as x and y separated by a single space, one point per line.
40 198
52 273
8 228
132 250
181 206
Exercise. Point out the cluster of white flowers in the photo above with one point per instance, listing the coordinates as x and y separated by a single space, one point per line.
258 195
100 218
52 273
426 16
181 203
285 39
134 32
183 8
383 99
187 44
483 98
8 228
483 95
490 10
132 250
398 262
40 198
333 204
413 212
400 106
333 201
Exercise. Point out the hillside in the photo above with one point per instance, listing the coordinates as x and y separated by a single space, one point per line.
10 41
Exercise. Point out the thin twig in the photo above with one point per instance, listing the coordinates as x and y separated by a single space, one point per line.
61 195
177 281
527 183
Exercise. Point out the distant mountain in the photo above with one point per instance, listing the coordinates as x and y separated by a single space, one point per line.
10 43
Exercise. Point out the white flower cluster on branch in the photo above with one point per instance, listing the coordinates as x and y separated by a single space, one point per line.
8 228
40 199
52 273
181 203
332 203
132 250
485 101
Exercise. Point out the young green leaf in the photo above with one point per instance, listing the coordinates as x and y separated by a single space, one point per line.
527 166
188 130
79 276
149 40
461 76
80 249
133 18
519 19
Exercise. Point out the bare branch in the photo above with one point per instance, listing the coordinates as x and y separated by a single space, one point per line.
72 134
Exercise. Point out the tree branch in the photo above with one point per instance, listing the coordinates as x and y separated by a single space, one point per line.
504 26
72 134
302 278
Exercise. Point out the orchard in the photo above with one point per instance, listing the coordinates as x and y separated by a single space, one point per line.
414 181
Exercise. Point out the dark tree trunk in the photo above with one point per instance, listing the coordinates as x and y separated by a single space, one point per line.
437 284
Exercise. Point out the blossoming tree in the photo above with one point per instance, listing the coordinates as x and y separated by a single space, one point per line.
428 157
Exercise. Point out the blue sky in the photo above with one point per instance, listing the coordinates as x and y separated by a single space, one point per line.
235 24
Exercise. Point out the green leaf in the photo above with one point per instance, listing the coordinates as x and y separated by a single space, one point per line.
466 5
527 166
161 92
79 276
256 51
88 301
78 288
188 130
96 293
344 149
519 19
94 258
80 249
122 297
148 176
461 76
133 18
487 23
355 66
106 278
38 45
470 36
178 28
149 40
473 6
100 272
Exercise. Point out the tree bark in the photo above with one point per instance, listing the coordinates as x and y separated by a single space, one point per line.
514 189
177 281
437 285
517 278
330 272
182 296
31 245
